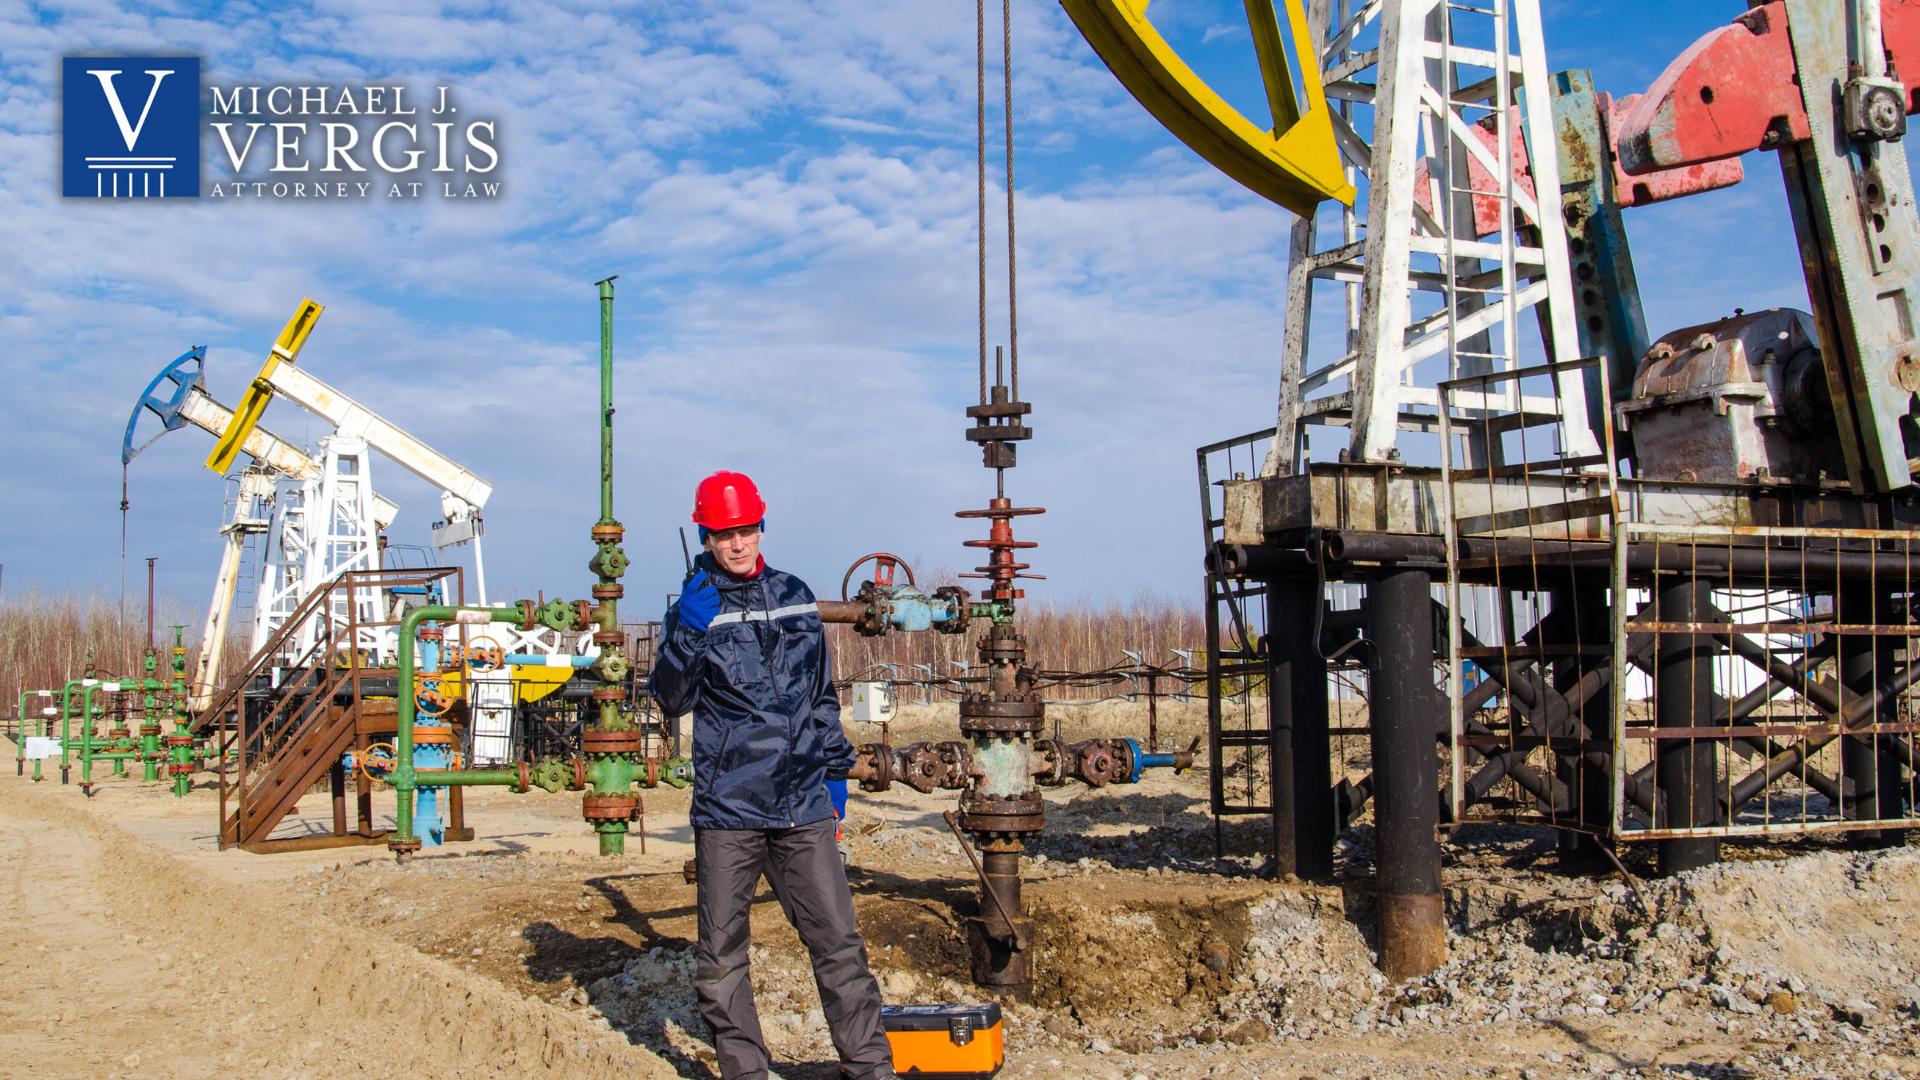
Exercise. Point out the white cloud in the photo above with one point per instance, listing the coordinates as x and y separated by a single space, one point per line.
788 193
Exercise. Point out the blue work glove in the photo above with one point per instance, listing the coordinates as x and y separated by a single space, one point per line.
699 602
837 791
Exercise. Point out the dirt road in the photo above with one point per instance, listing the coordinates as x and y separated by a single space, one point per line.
121 960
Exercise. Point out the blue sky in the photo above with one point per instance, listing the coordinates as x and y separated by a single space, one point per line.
786 189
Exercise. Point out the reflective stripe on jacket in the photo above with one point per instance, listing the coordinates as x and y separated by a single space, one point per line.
766 720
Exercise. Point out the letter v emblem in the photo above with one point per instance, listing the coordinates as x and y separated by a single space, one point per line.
128 132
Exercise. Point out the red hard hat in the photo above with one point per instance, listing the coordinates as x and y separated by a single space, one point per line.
727 500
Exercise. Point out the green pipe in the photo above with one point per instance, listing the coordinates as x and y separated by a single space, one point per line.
26 730
20 738
180 756
90 719
466 778
149 722
404 777
66 723
608 774
122 750
606 400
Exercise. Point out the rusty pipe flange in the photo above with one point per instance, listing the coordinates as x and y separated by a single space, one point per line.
431 633
149 729
876 611
1002 814
119 733
882 764
179 768
173 742
610 742
609 693
1051 763
1003 650
959 598
604 638
611 533
432 735
611 591
526 778
926 766
403 847
579 775
986 716
608 807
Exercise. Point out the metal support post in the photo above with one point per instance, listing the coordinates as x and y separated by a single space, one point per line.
1406 707
1870 774
1589 785
1301 747
1683 693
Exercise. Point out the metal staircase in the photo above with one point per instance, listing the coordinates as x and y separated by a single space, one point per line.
274 748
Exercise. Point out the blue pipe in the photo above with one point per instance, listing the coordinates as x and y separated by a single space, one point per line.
1143 761
427 822
542 660
910 609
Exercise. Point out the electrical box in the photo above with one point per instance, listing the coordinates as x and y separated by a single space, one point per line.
872 702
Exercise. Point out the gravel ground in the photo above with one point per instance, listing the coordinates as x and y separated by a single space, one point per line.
1153 958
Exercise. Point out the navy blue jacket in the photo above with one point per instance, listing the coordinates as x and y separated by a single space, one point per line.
766 720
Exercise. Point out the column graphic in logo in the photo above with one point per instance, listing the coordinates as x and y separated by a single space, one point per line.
130 127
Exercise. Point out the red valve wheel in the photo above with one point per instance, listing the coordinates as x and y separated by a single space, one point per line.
885 563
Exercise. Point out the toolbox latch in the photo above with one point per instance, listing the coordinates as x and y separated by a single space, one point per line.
960 1029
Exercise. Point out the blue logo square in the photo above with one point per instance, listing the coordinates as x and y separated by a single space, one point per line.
130 127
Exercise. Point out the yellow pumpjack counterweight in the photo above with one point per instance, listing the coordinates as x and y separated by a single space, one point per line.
252 404
1296 163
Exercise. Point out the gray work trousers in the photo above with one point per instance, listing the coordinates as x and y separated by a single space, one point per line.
803 865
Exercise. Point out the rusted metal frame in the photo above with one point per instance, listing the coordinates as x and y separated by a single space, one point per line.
1870 762
1824 698
1486 739
1525 469
1541 651
1771 829
1637 789
1465 792
1216 787
1549 708
1793 678
1797 626
1508 761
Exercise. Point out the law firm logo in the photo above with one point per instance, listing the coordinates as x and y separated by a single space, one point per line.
130 127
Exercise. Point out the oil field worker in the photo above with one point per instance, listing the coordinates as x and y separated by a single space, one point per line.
743 651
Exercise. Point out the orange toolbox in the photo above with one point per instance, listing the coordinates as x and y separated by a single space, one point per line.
945 1042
